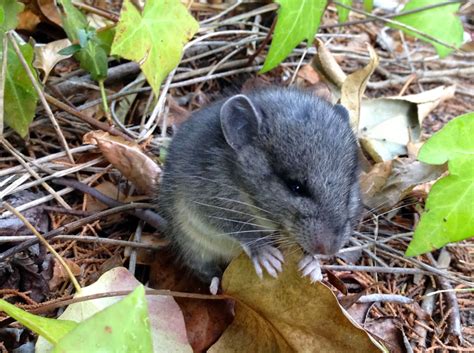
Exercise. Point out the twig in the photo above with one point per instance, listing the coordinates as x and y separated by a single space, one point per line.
384 298
35 175
46 244
454 322
376 269
70 227
152 218
98 11
91 121
87 239
40 93
48 158
398 24
403 13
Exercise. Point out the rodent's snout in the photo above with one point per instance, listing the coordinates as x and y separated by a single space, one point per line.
321 241
326 246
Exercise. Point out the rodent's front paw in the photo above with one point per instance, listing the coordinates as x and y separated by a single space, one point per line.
309 265
269 258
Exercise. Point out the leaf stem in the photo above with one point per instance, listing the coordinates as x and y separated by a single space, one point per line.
105 105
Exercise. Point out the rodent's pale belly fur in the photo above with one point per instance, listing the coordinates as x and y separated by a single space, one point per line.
201 236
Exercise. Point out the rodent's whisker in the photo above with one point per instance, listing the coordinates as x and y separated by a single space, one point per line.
241 222
231 210
242 203
247 231
386 212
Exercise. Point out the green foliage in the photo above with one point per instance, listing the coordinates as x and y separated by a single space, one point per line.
9 10
154 38
20 95
449 211
297 21
92 54
121 327
368 5
342 12
439 22
51 329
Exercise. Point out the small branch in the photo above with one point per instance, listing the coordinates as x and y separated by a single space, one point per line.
70 227
152 218
98 11
384 298
86 239
454 321
46 244
380 269
388 16
398 24
91 121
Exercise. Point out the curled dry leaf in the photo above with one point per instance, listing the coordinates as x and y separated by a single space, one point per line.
50 11
390 182
60 275
308 74
287 314
47 56
328 69
354 85
127 157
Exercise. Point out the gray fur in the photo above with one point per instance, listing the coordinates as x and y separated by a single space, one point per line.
224 189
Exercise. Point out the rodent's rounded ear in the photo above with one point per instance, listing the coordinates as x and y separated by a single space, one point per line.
240 121
341 110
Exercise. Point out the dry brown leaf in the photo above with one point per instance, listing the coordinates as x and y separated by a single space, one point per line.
405 174
128 158
28 20
373 181
46 55
428 100
388 125
328 69
387 328
50 11
60 275
288 314
308 74
354 86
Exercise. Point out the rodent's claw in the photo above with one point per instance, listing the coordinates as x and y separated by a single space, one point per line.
214 286
270 258
309 265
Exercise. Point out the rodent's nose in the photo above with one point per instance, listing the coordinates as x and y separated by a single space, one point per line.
323 248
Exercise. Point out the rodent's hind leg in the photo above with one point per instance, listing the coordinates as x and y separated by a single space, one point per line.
310 266
268 257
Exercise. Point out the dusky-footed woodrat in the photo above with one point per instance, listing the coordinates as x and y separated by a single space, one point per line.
273 166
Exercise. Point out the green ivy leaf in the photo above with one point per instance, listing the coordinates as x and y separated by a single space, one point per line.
20 96
342 12
154 38
368 5
70 50
9 10
440 22
297 21
51 329
92 55
121 327
448 215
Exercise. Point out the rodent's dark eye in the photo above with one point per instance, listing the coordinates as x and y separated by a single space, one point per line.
296 187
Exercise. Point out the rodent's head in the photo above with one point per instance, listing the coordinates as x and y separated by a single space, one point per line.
296 157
